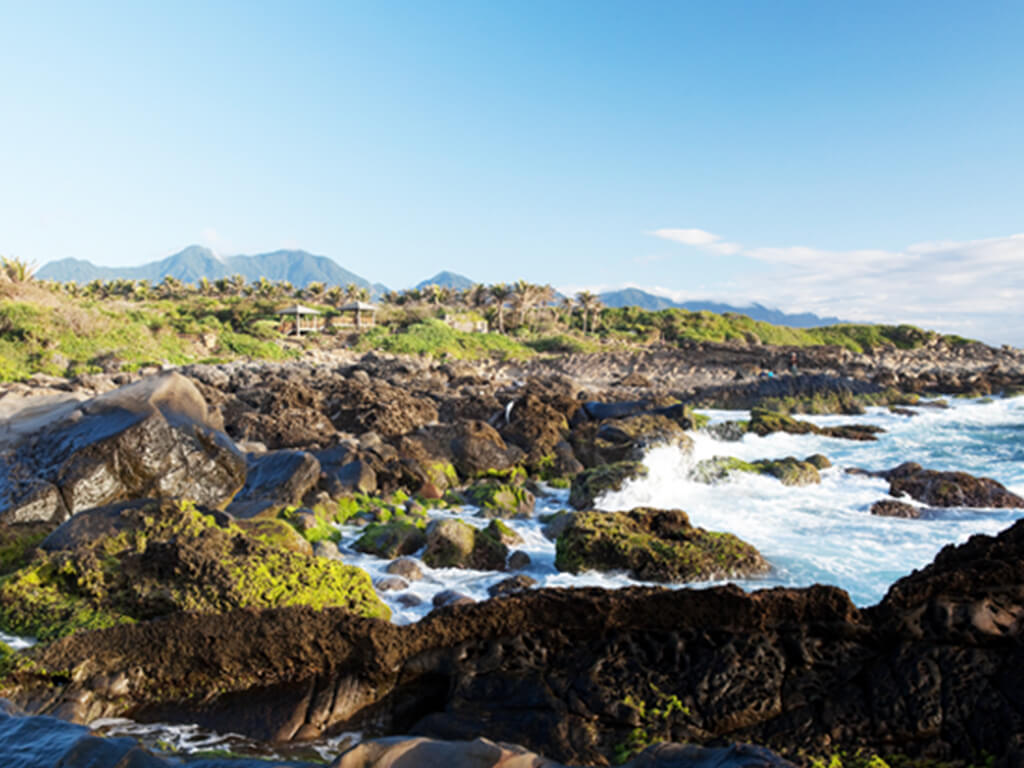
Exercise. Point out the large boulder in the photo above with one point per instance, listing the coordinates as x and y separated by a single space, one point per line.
949 489
153 438
653 545
477 447
455 544
145 559
275 480
765 422
392 539
496 499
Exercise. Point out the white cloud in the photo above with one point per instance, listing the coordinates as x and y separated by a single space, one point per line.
698 237
954 286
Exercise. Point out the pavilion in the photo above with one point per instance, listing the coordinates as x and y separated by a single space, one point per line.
299 311
358 313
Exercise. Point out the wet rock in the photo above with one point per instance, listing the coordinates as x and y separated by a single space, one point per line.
790 470
275 480
556 523
406 567
327 549
391 584
449 597
278 533
477 447
653 545
391 539
588 485
764 422
152 438
507 536
500 499
628 439
512 585
893 508
409 600
518 560
820 461
949 489
455 544
728 431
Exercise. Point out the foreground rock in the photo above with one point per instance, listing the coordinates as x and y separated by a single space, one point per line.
653 545
574 674
147 559
154 438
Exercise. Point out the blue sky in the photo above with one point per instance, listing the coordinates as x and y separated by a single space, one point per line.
856 159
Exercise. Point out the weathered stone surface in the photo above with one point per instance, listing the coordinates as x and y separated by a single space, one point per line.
393 538
628 439
406 567
893 508
764 422
653 545
495 499
512 585
152 438
477 447
590 484
949 489
455 544
275 480
799 670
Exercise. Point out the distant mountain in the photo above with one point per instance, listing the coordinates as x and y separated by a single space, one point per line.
634 297
447 280
297 267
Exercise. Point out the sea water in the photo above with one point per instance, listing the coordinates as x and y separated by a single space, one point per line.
821 533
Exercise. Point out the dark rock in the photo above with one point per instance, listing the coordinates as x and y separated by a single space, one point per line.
510 586
455 544
391 539
152 438
949 489
557 523
728 431
449 597
275 480
893 508
627 439
653 545
477 447
590 484
518 560
500 499
765 422
391 584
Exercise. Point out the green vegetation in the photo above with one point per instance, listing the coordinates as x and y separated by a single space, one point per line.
434 337
67 329
169 557
652 545
655 716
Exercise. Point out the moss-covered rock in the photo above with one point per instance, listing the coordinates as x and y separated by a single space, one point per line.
393 539
764 422
789 471
456 544
277 533
588 485
501 499
653 545
18 542
156 558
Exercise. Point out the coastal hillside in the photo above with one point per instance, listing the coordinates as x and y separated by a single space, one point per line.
65 329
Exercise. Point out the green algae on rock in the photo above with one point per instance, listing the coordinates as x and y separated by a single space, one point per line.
591 483
653 545
392 539
147 559
789 470
501 499
456 544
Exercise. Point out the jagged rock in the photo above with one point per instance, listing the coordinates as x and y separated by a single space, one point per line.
477 447
510 586
152 438
764 422
518 560
627 439
455 544
949 489
275 480
653 545
893 508
590 484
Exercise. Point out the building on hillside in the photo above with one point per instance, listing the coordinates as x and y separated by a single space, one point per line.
299 311
357 314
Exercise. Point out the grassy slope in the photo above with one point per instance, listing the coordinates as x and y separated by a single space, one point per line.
47 332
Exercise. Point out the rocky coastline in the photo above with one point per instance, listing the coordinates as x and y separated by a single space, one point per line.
140 512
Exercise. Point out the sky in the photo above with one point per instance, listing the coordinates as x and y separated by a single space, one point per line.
864 160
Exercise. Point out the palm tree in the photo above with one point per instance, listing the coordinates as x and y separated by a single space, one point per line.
589 304
567 306
334 295
501 293
315 290
239 284
16 270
